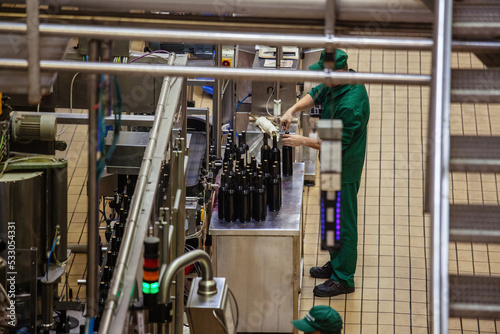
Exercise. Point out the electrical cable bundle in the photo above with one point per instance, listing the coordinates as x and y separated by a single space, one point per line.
107 104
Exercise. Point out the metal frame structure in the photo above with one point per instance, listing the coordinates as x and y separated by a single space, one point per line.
438 161
438 152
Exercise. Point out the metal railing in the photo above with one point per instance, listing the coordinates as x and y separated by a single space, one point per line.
438 152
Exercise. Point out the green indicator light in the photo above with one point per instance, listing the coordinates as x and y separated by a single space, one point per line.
146 288
155 288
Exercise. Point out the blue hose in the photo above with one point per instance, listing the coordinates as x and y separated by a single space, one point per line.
239 104
50 255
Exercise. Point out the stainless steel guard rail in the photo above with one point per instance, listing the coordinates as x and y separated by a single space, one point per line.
131 233
223 37
233 73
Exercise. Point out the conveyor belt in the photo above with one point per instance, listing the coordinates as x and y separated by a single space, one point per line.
197 149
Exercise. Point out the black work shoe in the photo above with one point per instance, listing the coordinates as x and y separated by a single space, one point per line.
322 272
331 288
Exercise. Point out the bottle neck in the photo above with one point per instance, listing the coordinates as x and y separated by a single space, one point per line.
243 138
259 181
275 142
275 171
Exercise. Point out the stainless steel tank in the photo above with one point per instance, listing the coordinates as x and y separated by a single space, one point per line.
23 202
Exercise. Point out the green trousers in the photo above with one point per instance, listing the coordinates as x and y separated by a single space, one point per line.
344 261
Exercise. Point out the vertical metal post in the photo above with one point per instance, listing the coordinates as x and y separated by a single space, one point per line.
330 17
438 151
217 112
92 190
180 236
33 45
279 56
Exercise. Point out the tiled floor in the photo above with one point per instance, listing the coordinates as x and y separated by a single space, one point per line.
392 277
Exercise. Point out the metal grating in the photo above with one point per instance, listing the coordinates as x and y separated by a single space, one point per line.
475 86
476 20
474 154
475 223
474 296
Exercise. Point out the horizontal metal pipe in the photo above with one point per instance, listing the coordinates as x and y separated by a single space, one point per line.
168 273
126 120
378 12
76 248
228 73
221 37
214 37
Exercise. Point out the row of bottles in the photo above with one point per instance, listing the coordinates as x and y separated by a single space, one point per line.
271 154
247 190
121 205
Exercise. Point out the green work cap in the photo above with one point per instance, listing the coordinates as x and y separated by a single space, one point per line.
320 318
340 61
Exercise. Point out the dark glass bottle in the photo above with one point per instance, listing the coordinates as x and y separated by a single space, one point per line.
114 248
242 165
227 152
267 179
287 160
230 168
275 155
126 202
110 261
275 190
259 209
103 294
229 209
238 187
251 188
244 208
118 232
253 164
243 147
107 274
222 196
265 150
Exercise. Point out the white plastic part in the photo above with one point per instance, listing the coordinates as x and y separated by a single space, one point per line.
277 108
266 126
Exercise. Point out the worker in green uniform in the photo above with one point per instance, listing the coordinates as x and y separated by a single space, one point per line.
350 104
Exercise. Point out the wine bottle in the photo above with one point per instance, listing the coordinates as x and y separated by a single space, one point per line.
227 152
267 179
275 154
229 209
287 160
245 214
222 196
275 203
265 150
242 166
243 147
230 168
251 189
259 209
238 188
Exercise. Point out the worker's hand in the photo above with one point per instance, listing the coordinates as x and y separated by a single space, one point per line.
293 140
286 119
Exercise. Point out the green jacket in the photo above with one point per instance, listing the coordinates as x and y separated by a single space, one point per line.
350 104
